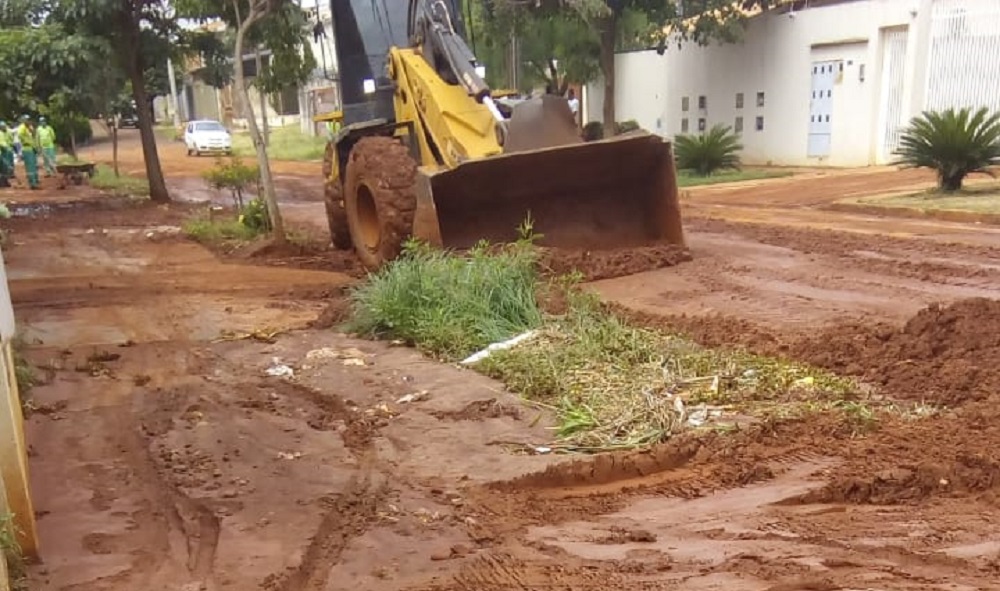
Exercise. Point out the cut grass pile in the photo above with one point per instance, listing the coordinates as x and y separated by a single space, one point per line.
974 199
611 385
686 178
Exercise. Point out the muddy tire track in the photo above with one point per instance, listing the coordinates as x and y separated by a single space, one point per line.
350 514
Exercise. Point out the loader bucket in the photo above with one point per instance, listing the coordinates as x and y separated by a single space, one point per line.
619 192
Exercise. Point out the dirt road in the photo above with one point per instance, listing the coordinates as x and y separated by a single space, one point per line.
166 456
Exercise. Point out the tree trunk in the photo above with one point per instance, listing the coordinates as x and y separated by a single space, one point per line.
950 183
263 101
608 27
114 147
72 143
267 181
133 68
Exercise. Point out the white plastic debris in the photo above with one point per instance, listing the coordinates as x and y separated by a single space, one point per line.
698 417
413 397
541 449
289 455
509 343
279 369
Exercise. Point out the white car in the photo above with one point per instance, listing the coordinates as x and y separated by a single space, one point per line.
207 137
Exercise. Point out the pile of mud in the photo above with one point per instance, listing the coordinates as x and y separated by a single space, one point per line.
944 355
313 254
607 264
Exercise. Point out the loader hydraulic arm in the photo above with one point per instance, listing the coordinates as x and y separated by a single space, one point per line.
432 28
441 91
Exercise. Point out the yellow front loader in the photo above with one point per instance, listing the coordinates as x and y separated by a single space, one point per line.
425 149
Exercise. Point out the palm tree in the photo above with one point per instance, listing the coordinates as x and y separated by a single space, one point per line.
953 143
706 153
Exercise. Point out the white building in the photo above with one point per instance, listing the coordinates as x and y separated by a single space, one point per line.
820 82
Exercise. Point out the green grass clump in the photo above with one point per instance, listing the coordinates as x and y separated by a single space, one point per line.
447 305
104 179
16 568
284 143
217 231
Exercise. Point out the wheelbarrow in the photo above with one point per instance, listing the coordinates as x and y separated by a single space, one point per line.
74 173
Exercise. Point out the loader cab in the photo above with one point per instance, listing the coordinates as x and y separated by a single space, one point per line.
363 33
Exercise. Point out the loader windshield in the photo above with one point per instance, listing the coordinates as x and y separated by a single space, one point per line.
364 30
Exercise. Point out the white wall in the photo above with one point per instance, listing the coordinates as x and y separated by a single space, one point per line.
776 58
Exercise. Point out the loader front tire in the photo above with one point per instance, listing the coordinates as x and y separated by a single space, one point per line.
336 215
380 199
333 199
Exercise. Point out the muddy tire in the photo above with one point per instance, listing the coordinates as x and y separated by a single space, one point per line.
333 199
336 215
328 156
380 198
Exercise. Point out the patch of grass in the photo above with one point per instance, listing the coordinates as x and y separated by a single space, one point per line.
24 373
104 179
609 383
16 570
974 199
686 178
447 305
286 143
214 232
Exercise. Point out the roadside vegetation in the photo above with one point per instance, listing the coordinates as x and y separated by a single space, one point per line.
24 373
708 153
978 199
17 575
122 185
284 143
246 221
611 384
953 143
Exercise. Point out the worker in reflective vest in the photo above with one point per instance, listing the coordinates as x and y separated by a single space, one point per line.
29 150
6 155
47 143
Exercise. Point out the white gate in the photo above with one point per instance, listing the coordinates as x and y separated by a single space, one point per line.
891 108
824 77
964 61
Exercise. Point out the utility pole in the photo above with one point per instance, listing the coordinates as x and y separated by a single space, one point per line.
173 94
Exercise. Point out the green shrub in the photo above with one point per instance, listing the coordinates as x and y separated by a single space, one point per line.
233 175
449 305
952 143
626 126
593 131
255 217
706 153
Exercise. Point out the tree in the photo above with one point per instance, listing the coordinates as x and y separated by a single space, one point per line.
280 26
645 23
138 32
